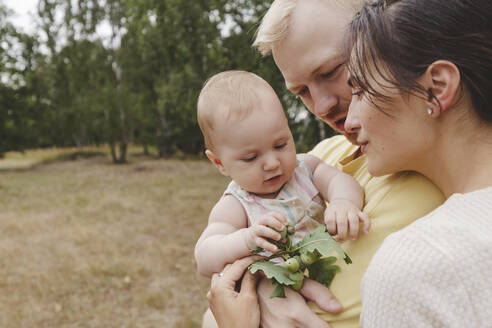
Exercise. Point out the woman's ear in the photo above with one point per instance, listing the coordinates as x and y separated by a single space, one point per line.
216 161
442 79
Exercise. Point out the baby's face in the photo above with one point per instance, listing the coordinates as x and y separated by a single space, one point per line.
258 151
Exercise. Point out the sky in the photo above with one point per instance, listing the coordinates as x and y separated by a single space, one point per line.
25 10
22 9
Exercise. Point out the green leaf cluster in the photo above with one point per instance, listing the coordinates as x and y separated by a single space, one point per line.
319 251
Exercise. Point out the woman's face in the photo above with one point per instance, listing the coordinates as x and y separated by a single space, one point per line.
396 135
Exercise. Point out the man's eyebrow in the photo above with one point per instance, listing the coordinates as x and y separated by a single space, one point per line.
318 68
294 87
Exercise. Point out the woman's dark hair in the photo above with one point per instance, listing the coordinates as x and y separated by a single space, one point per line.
399 39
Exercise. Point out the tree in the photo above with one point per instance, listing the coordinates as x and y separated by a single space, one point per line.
71 84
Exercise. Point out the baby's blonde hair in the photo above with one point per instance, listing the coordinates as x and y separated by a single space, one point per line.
277 21
227 95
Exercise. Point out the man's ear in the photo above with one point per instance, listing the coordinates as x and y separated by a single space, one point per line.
216 161
442 79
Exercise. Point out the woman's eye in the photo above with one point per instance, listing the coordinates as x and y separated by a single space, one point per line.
357 93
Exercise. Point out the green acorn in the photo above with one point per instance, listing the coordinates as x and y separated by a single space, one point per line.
291 229
308 258
296 276
298 285
292 264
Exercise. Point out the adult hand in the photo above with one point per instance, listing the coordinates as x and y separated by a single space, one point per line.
293 311
234 309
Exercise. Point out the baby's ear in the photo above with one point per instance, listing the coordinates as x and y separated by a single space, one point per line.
216 161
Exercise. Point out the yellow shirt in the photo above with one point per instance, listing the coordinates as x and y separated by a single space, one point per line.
392 202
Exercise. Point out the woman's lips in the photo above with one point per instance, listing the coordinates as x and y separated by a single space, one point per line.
363 147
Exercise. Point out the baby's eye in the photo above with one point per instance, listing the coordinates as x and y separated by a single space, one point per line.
280 146
249 158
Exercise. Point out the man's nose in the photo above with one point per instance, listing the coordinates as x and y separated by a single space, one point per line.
323 101
352 122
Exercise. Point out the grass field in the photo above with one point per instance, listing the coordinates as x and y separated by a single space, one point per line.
86 243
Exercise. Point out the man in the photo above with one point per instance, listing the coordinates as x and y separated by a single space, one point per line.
305 38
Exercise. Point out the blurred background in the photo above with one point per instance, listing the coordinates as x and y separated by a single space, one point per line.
92 72
86 85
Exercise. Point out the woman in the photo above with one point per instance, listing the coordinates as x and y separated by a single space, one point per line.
421 72
232 307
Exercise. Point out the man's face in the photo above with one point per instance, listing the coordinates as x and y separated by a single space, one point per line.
311 62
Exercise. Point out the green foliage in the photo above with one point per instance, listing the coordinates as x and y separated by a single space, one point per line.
71 85
278 291
273 271
322 242
324 270
316 248
17 111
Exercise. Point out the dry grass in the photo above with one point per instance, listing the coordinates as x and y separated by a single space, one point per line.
90 244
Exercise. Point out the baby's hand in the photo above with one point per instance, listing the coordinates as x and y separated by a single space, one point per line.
341 215
256 234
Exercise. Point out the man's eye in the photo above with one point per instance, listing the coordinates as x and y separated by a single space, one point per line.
280 146
329 74
302 92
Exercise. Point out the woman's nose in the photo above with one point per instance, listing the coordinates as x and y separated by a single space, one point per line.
352 122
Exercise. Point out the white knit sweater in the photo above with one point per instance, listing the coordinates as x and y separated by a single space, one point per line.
437 272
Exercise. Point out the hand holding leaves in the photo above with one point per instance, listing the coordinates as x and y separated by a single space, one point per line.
265 232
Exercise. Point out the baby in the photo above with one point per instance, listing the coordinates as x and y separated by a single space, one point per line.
248 139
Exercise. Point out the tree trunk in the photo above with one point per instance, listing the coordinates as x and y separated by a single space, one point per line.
123 143
123 149
114 157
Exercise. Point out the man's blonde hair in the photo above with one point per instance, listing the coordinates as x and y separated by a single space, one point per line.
225 96
277 21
